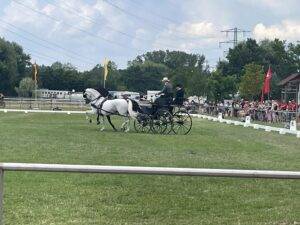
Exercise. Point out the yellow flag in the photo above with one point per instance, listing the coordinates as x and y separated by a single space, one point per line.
105 64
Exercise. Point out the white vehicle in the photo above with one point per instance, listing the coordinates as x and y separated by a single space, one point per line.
59 94
151 95
128 94
196 99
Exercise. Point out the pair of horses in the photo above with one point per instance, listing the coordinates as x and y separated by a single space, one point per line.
104 107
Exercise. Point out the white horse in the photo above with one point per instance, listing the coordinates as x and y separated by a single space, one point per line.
105 107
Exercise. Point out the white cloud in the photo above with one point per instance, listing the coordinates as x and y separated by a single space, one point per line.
277 7
189 36
287 30
196 30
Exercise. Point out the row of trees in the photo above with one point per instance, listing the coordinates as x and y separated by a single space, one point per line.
243 71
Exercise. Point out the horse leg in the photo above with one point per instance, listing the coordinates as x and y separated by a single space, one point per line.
102 123
123 125
88 116
126 125
109 120
98 116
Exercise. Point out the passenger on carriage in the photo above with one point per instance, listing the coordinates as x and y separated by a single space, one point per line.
179 96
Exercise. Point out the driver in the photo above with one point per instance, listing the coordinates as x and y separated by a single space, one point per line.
166 94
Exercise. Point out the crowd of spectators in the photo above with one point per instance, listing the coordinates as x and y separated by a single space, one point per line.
267 111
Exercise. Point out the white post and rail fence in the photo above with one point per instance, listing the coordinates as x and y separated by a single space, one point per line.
234 173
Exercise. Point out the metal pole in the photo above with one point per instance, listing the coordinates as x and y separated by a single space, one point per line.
297 107
1 195
235 38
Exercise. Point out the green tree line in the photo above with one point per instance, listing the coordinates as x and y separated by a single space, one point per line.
242 71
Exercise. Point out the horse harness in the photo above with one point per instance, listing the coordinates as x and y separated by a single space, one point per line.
99 109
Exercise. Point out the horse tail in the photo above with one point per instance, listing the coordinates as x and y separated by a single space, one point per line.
132 110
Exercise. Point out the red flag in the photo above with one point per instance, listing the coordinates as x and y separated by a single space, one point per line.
267 81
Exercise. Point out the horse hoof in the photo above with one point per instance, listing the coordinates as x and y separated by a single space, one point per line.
90 121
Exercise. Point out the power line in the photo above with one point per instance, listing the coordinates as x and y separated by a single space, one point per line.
92 20
74 27
156 26
88 18
37 53
138 3
78 57
36 43
235 32
45 56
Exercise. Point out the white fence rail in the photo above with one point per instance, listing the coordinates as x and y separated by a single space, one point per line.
44 104
139 170
43 111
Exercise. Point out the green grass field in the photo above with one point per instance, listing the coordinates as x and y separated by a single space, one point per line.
61 198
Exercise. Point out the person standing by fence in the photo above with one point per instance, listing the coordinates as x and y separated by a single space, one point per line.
2 103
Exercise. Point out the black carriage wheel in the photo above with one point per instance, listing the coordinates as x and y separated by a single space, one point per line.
182 122
143 124
162 122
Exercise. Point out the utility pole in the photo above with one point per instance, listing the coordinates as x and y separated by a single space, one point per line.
235 32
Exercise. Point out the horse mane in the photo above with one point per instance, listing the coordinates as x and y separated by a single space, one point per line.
135 106
103 92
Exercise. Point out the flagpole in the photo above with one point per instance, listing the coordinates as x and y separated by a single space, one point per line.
104 73
269 84
103 80
35 83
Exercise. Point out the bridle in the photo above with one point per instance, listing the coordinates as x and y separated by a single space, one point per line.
97 98
92 100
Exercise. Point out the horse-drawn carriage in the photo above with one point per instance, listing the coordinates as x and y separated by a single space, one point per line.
150 117
163 119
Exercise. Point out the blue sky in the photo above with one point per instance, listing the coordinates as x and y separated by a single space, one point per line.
84 32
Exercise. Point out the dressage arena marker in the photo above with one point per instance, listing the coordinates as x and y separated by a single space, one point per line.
234 173
282 131
267 129
220 117
293 125
292 129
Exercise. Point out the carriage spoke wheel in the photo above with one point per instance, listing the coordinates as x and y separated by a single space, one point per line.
182 122
143 124
162 122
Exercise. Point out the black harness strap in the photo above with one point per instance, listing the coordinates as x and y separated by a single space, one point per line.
99 109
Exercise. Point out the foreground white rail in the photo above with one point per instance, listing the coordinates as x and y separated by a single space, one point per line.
139 170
